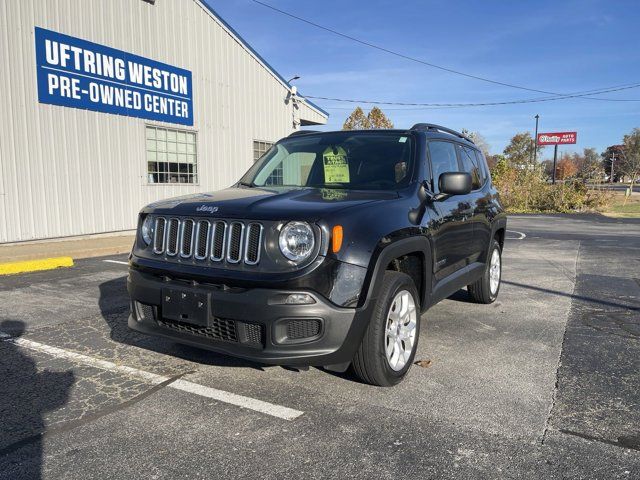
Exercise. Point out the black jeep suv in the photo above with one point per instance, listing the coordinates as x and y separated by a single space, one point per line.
325 253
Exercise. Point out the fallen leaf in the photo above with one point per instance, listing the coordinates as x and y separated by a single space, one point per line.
423 363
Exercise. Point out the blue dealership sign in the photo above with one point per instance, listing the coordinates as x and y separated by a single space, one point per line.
76 73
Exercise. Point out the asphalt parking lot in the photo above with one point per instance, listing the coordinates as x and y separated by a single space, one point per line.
545 383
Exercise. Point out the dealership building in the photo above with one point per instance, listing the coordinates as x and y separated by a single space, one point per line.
107 106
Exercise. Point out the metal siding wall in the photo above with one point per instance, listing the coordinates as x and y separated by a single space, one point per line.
311 114
67 171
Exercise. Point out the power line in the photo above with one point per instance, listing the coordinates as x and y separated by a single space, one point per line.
427 106
423 62
482 104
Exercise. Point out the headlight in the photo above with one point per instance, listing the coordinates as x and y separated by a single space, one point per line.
297 241
147 229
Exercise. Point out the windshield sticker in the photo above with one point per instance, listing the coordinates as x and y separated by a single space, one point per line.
402 139
336 167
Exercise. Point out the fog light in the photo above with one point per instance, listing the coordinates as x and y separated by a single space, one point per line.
299 299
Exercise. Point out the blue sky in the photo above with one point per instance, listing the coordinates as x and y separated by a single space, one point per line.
556 46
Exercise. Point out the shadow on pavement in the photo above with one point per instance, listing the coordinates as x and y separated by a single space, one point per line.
461 296
26 394
114 307
573 296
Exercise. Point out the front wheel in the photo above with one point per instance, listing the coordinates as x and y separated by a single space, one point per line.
390 342
486 288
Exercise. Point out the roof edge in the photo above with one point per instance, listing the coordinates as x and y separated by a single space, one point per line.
313 105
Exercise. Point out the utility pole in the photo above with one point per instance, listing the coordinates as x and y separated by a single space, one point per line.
613 158
535 146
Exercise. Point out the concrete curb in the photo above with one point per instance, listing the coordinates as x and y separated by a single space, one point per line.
12 268
76 248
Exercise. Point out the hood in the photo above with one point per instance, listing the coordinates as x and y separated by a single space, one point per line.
260 204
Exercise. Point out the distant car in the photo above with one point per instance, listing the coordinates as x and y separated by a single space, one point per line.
325 253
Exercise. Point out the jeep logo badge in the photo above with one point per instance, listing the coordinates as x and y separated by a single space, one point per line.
207 208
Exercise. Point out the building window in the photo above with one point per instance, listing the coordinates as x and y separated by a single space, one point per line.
171 155
276 177
259 149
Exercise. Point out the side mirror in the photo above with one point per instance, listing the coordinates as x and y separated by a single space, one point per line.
455 183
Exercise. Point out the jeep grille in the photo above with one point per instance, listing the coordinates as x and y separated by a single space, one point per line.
172 236
214 241
219 241
253 242
236 235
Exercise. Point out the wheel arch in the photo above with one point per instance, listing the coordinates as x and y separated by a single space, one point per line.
499 235
498 232
391 257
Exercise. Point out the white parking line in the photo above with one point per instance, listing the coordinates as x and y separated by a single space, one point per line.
120 262
522 236
272 409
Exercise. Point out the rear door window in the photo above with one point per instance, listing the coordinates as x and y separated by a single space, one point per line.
470 165
482 163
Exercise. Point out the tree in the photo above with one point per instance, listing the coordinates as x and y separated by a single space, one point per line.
493 160
377 119
591 156
547 166
356 121
567 167
519 152
612 155
589 164
479 140
630 164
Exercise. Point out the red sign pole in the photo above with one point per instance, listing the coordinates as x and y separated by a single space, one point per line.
555 158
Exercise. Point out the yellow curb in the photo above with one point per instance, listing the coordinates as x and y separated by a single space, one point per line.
11 268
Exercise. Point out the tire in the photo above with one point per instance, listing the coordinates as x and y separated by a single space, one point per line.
481 290
371 364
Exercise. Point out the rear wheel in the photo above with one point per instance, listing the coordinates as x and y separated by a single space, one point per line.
390 342
486 288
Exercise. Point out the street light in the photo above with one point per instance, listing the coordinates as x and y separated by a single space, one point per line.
292 97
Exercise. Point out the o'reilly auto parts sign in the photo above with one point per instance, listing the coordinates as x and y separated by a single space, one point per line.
557 138
77 73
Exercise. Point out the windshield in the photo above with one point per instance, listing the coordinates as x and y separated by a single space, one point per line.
351 160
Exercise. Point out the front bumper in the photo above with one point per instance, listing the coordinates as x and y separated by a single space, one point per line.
251 324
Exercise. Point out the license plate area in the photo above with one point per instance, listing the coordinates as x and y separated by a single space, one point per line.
186 306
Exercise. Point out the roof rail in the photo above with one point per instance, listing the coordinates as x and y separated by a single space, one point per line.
303 132
432 126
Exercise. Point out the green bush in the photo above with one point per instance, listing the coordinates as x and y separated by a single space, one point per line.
527 190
